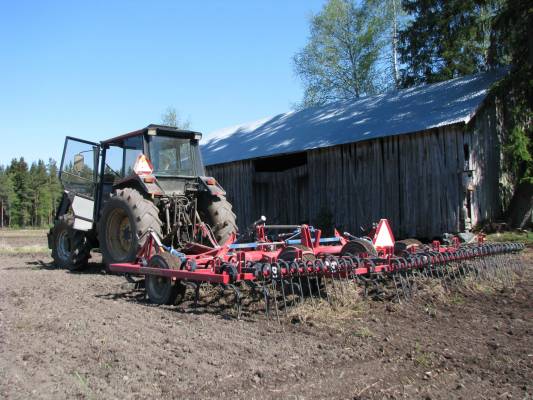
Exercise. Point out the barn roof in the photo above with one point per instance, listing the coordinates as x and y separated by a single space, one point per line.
405 111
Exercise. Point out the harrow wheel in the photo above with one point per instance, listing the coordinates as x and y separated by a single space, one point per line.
160 289
358 246
402 246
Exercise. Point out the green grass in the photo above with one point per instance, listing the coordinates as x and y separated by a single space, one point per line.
17 233
24 250
512 236
363 332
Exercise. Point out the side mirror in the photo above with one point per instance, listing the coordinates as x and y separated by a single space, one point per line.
79 162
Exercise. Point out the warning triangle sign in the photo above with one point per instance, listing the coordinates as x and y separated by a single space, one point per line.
383 236
143 166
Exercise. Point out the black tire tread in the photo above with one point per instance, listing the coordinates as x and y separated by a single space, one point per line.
221 217
80 247
145 215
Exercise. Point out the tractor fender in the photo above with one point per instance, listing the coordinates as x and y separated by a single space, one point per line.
144 184
211 185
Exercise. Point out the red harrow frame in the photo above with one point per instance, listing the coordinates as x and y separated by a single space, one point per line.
303 264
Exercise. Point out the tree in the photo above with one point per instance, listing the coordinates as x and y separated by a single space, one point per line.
445 39
171 118
41 199
511 42
21 207
340 60
54 187
392 19
7 196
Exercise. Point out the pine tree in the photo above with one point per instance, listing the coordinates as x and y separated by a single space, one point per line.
21 212
41 199
7 196
55 189
445 39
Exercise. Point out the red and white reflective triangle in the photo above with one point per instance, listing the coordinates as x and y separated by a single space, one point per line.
143 166
383 237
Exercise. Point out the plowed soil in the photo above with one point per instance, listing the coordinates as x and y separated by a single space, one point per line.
87 335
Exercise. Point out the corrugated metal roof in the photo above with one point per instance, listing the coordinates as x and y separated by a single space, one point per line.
404 111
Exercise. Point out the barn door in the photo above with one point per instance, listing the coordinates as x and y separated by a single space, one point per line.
282 196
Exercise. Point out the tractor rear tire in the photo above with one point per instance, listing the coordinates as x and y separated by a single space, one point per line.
125 219
218 214
70 248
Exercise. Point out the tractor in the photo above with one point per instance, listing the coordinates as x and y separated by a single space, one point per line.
119 191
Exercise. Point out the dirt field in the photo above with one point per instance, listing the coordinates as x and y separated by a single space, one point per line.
85 335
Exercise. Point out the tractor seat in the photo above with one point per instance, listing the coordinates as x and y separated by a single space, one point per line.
107 187
109 179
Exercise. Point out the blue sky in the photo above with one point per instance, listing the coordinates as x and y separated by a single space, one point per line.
96 69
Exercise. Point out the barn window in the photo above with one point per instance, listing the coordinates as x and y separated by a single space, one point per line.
466 150
280 163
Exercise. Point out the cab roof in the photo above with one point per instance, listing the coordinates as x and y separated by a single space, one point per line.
159 130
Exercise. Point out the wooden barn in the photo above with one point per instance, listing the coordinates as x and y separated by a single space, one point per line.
427 158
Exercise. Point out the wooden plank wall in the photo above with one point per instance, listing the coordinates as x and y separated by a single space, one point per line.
415 180
484 135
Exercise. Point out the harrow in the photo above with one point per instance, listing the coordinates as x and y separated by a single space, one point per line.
294 264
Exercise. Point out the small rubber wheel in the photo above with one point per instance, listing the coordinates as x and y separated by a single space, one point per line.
358 246
160 289
403 246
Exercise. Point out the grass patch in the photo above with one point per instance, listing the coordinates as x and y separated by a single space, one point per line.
22 233
512 236
457 299
421 357
345 304
24 250
363 332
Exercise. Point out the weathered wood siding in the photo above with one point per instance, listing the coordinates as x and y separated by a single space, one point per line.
415 180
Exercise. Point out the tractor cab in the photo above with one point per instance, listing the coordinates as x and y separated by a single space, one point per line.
91 171
171 153
118 190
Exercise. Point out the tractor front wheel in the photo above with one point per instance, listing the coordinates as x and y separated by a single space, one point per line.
70 248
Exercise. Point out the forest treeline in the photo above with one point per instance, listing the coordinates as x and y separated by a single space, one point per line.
29 194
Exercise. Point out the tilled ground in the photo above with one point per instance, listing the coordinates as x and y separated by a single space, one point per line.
85 335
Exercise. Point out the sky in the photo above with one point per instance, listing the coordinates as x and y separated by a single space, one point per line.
97 69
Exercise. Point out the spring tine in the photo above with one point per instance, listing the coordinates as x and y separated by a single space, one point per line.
280 266
396 287
266 295
237 298
331 267
275 297
299 272
282 281
309 286
316 277
321 266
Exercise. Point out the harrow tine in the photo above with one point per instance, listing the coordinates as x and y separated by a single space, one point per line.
396 287
237 298
280 267
275 297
